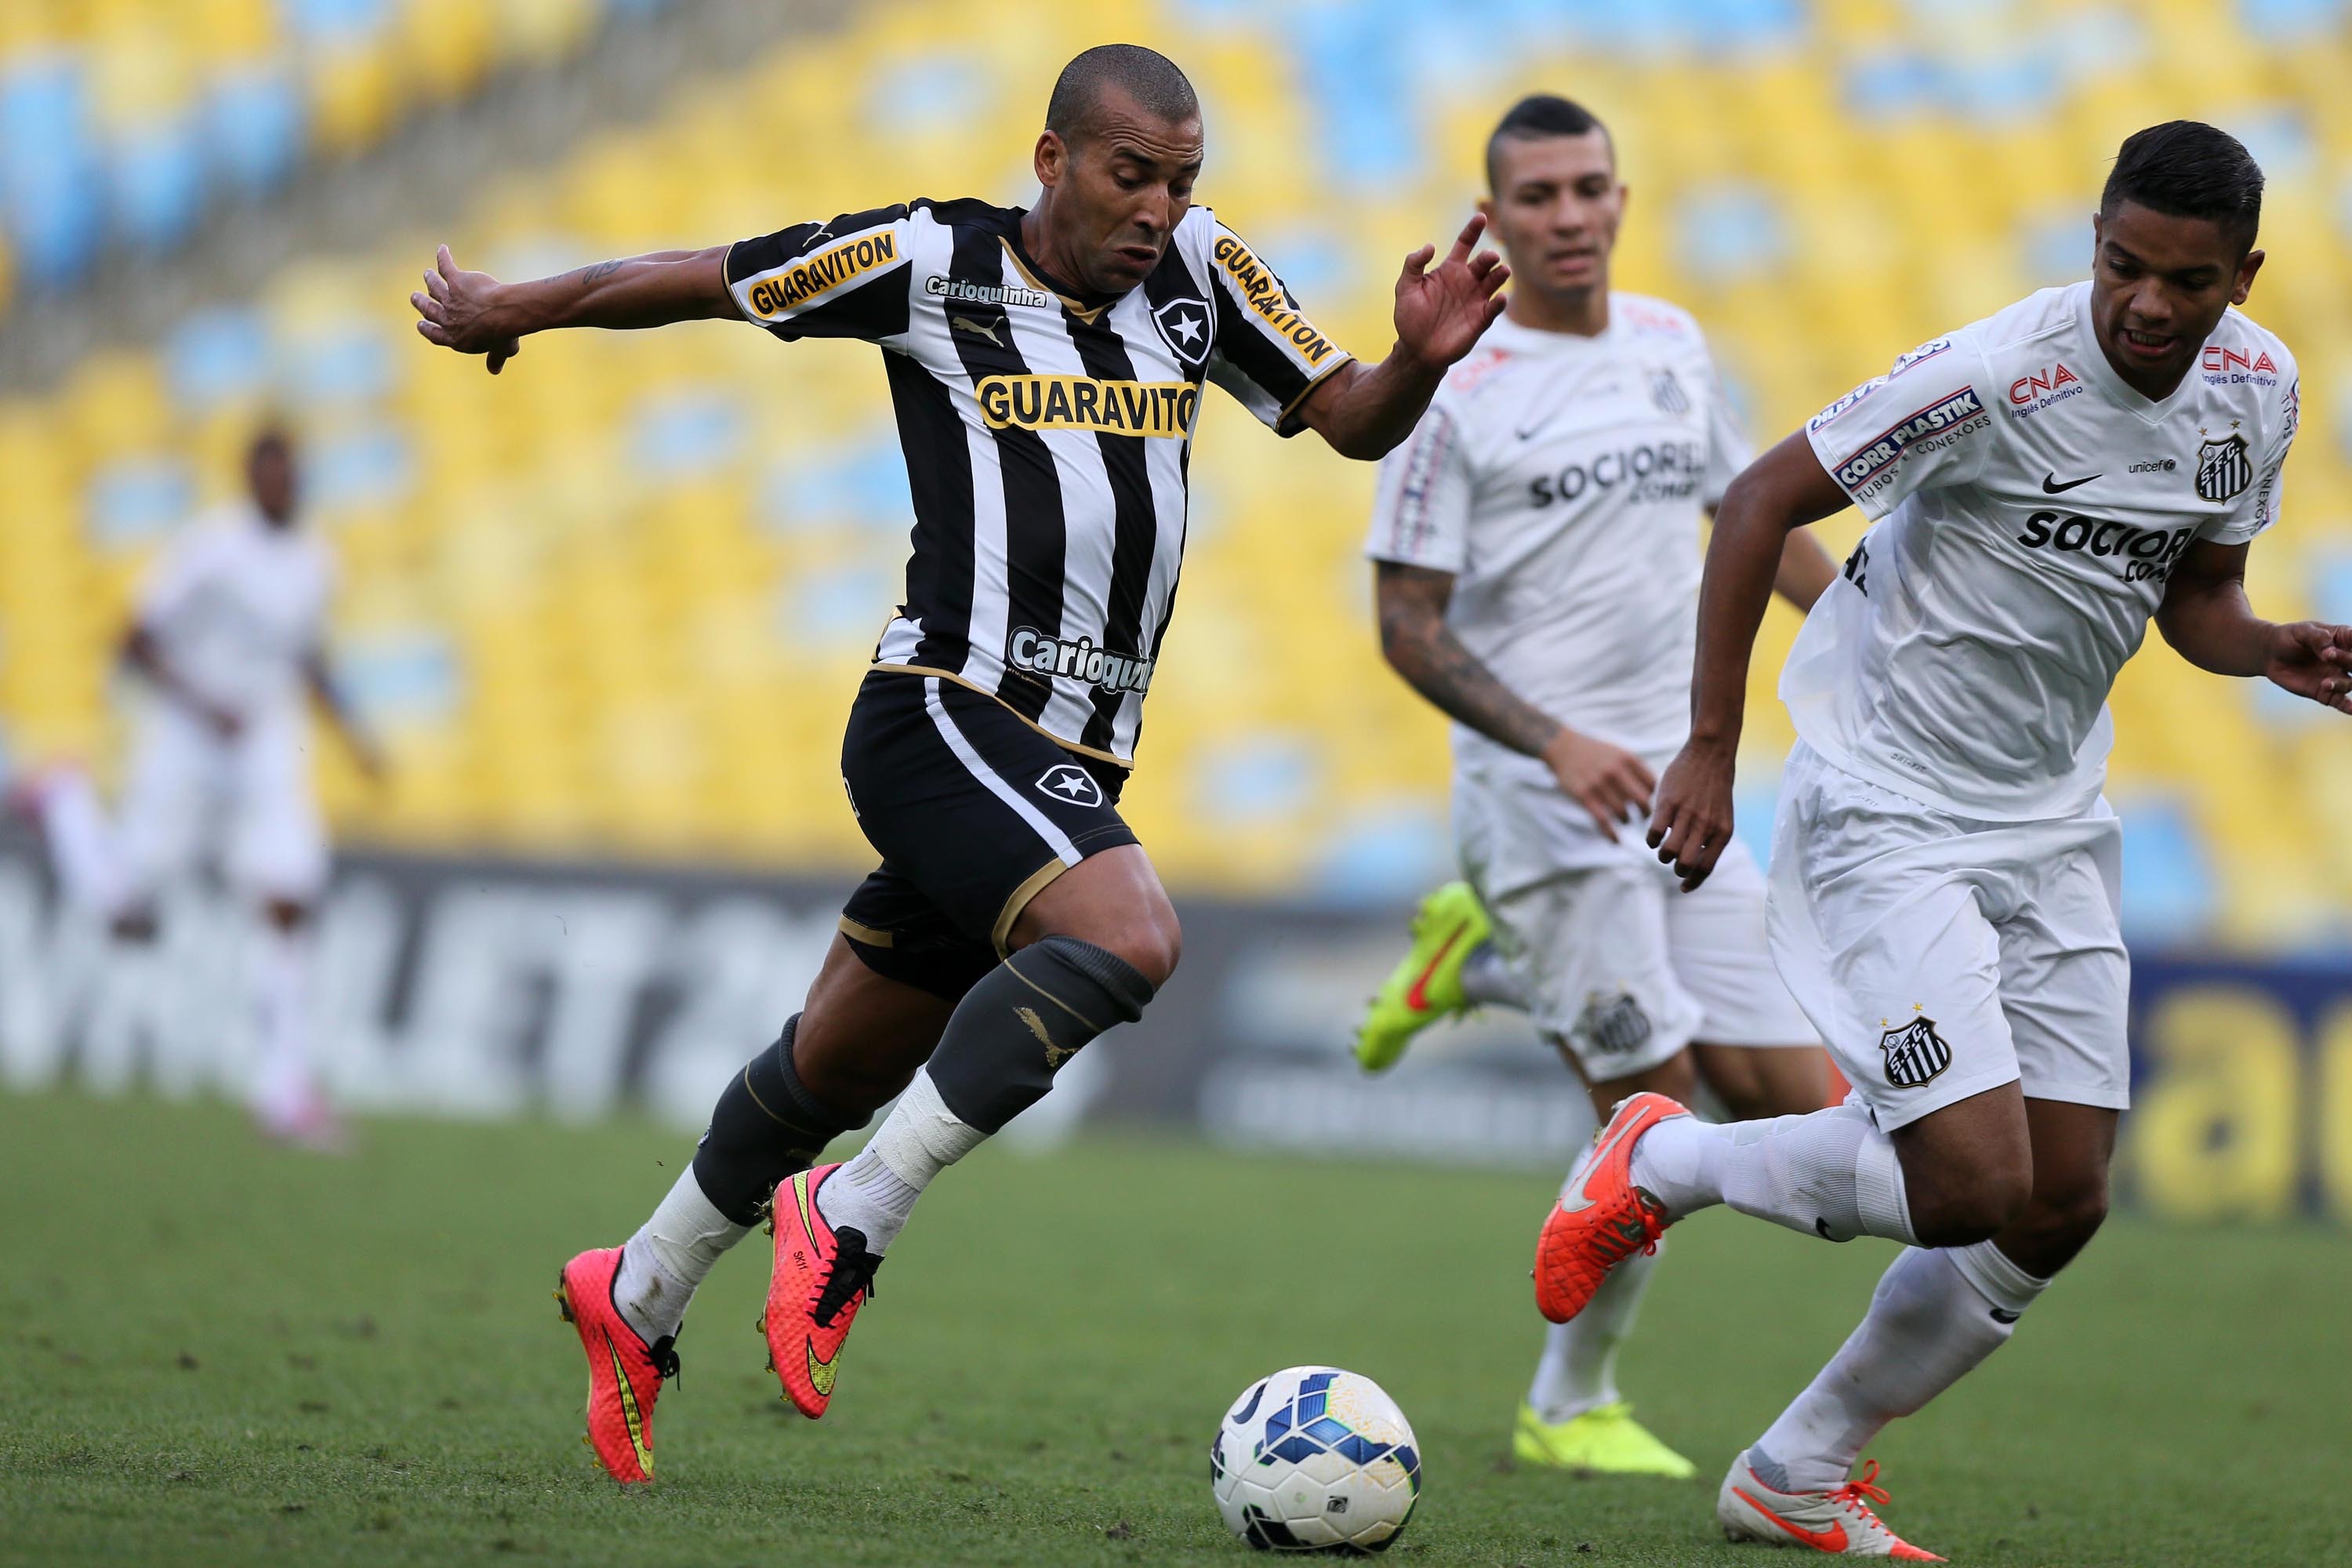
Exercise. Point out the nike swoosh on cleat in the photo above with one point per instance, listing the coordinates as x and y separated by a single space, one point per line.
2051 487
630 1418
2002 1315
820 1373
1416 999
1583 1201
1830 1540
801 1199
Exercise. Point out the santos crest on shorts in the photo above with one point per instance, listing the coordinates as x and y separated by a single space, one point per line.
1047 436
2032 508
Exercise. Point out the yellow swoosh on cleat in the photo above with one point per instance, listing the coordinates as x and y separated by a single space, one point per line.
820 1373
801 1199
631 1416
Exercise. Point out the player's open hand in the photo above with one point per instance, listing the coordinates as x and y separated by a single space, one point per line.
458 309
1443 311
1690 824
1609 781
2313 659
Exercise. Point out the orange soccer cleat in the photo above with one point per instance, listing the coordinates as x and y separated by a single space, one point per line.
1839 1522
1601 1218
822 1277
625 1374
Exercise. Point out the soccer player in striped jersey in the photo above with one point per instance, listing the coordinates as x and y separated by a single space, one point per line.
2041 484
1537 546
1048 368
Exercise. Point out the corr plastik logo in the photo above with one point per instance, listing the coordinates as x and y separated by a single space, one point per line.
1031 650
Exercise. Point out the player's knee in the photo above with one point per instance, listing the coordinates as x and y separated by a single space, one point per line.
1147 938
2059 1224
1967 1201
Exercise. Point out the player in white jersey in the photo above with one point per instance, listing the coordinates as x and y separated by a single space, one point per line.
1944 871
228 638
1537 555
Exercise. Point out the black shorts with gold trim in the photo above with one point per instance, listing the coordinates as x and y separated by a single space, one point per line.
973 811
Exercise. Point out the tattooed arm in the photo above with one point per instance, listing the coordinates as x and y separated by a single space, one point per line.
1606 780
474 313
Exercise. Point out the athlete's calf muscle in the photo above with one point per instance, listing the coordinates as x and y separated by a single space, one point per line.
862 1036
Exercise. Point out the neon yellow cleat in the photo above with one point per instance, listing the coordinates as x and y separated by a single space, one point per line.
1607 1441
1426 985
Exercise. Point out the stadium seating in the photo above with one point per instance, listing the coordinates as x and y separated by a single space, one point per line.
619 596
123 121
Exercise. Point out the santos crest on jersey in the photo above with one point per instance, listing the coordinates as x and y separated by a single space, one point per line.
2030 508
1048 436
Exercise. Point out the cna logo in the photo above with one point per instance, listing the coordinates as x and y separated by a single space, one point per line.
1069 784
2233 364
2045 388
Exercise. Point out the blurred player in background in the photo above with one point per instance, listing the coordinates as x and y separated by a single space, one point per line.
1047 366
228 641
1538 550
1945 868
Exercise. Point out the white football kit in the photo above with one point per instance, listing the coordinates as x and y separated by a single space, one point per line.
234 606
1944 869
1560 479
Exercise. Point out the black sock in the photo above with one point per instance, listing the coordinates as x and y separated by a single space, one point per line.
1028 1015
765 1127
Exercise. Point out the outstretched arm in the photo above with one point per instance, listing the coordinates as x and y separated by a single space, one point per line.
1781 491
1606 780
2207 619
1362 410
328 692
474 313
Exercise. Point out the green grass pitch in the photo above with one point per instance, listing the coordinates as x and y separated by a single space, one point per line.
220 1353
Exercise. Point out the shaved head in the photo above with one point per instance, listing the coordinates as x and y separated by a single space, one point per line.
1146 76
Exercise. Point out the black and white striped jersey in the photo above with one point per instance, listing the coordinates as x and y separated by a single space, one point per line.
1047 436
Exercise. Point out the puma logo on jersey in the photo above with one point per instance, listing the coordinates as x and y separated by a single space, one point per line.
977 328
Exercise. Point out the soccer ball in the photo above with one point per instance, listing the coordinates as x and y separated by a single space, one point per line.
1315 1459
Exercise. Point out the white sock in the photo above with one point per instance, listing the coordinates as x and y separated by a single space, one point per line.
877 1190
668 1259
1578 1370
81 843
286 1079
1935 1315
1828 1172
1487 980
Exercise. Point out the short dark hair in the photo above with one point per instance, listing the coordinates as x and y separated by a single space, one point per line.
2186 168
1145 75
1542 114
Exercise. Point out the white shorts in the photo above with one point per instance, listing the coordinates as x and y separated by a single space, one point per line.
1943 956
1626 970
248 799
